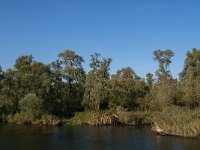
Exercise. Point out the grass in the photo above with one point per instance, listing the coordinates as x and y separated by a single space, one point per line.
37 119
172 120
138 118
101 118
109 118
178 121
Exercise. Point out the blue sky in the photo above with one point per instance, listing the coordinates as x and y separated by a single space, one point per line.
128 31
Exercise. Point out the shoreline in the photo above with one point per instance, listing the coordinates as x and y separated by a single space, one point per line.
107 118
155 129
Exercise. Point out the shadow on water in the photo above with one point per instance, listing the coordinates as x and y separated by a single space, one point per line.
92 138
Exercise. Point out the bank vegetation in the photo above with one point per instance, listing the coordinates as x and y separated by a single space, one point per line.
62 93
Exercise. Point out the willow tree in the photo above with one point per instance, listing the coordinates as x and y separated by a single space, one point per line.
96 94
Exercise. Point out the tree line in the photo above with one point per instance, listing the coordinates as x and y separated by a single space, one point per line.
62 87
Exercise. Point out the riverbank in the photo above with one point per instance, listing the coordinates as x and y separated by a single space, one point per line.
172 121
103 118
175 121
137 118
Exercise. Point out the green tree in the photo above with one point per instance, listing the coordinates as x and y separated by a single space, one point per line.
32 77
73 76
127 89
31 107
149 80
1 78
8 101
23 62
190 79
54 103
96 94
165 89
164 60
30 103
22 73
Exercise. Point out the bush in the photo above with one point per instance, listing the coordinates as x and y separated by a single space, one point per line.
30 103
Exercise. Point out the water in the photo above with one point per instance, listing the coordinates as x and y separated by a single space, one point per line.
16 137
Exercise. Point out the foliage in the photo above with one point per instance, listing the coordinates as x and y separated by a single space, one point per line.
163 92
8 101
163 57
96 94
178 121
70 76
190 79
34 92
30 103
127 89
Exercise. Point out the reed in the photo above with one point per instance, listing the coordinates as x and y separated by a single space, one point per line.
110 118
178 121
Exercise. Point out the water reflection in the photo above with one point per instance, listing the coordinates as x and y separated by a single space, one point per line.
92 138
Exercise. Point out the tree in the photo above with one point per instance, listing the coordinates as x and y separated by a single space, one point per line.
57 91
149 80
23 62
127 89
1 78
73 75
22 73
30 103
8 101
164 90
40 77
31 107
32 77
164 60
190 79
96 94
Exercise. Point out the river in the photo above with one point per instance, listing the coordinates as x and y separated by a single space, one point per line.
17 137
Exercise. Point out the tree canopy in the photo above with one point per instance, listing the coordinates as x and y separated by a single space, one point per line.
63 87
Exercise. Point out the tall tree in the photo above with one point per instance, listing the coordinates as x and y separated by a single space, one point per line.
190 78
164 60
96 94
8 98
54 103
73 75
22 73
164 90
32 77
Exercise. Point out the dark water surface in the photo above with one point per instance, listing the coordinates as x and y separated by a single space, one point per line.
15 137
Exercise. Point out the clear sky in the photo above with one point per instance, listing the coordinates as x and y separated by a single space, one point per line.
128 31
